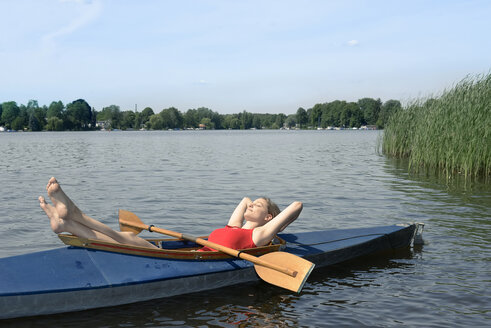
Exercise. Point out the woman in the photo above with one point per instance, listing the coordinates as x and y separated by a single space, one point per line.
262 222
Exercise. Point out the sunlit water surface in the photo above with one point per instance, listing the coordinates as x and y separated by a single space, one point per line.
190 181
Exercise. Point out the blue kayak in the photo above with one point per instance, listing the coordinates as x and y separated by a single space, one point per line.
89 276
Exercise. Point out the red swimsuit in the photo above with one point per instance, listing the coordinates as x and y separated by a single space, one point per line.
231 237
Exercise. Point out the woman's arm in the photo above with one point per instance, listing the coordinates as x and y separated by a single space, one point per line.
264 234
237 217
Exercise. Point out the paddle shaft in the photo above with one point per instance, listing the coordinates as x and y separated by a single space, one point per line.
223 249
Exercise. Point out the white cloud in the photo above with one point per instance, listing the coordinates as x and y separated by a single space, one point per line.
88 11
352 43
202 82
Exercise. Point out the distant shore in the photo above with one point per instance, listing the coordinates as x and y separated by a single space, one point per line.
366 113
329 128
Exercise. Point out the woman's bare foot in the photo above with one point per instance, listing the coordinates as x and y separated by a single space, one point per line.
57 223
63 208
66 208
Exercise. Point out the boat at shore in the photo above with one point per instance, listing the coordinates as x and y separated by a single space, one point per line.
89 274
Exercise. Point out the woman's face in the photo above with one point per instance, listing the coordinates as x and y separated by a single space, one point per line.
257 211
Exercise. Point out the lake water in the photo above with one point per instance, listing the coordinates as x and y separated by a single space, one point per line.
191 181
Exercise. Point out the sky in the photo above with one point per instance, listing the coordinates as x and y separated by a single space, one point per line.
229 56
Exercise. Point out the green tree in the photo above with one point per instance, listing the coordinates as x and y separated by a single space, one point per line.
166 119
344 115
34 124
79 115
216 118
32 104
208 123
54 124
116 116
172 118
309 116
190 118
155 122
10 111
256 121
318 115
55 109
267 120
371 109
128 120
291 120
302 118
279 120
112 114
18 123
356 115
332 114
145 115
23 117
245 120
36 115
230 121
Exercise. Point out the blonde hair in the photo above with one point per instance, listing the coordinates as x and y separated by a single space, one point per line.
273 209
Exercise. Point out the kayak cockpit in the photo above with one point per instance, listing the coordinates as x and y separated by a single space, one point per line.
178 249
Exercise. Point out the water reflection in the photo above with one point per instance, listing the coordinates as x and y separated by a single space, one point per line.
460 206
457 214
468 189
362 272
250 305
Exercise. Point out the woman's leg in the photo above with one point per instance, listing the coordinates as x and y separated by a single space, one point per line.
59 225
65 216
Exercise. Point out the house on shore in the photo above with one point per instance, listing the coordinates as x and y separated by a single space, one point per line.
103 125
368 127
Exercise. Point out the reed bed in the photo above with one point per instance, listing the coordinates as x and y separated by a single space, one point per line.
450 134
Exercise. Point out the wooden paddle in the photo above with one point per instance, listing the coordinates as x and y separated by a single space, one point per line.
269 267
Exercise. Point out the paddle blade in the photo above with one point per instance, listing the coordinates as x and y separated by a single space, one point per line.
292 262
128 221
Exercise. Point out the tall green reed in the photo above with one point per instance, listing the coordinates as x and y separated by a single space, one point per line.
450 133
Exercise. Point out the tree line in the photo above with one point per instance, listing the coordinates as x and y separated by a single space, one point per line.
79 115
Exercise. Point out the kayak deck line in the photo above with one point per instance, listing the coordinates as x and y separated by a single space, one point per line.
339 235
336 240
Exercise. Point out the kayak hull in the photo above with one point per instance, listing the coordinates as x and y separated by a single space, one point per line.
76 278
84 299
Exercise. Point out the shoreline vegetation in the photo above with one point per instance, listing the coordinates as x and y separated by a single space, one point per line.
450 134
366 113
